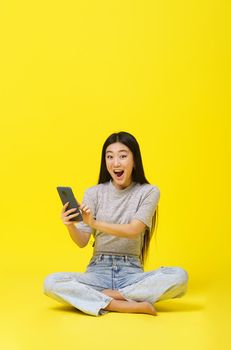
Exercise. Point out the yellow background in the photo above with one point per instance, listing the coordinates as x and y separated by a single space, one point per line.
72 73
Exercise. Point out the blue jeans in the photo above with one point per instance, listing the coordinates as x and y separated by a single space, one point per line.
123 273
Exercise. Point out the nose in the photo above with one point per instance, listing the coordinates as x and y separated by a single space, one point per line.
116 161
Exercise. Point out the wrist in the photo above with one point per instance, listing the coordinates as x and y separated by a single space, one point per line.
95 225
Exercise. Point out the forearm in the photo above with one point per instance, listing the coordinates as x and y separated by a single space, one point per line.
131 230
120 230
79 237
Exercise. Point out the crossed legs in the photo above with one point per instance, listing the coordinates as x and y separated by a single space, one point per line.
75 289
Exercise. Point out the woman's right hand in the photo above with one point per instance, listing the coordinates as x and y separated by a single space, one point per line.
65 215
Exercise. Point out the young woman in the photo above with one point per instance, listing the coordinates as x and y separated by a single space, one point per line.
120 212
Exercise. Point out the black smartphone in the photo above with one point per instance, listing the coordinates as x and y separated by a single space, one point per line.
66 195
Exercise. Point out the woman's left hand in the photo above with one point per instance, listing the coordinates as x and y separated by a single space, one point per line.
87 216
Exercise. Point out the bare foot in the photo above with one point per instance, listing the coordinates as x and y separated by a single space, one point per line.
131 307
148 308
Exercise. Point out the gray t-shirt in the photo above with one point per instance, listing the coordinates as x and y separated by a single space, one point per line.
111 205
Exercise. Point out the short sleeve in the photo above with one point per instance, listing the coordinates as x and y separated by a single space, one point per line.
88 199
148 206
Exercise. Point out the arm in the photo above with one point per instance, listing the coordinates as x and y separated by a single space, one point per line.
131 230
79 237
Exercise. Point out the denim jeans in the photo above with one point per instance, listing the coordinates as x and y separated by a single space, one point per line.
124 273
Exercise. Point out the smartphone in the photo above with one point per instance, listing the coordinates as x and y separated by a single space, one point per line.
66 195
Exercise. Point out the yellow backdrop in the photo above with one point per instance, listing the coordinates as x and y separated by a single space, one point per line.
72 73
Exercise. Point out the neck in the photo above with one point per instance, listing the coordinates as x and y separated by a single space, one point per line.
121 187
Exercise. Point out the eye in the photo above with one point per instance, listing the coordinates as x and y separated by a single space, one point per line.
123 156
109 157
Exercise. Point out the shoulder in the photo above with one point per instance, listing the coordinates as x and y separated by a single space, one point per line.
147 194
148 190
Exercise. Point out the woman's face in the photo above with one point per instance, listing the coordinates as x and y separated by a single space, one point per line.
120 163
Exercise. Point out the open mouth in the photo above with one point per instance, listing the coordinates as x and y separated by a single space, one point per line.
118 173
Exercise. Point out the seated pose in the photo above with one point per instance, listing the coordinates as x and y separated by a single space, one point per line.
121 213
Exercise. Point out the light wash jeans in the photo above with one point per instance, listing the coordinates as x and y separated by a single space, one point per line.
122 273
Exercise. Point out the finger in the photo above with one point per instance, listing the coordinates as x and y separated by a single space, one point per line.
66 214
72 216
85 208
67 218
70 211
85 211
64 207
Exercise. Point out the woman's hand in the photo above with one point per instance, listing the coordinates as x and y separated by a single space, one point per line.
87 216
65 215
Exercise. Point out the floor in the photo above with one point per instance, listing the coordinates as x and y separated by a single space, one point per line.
31 320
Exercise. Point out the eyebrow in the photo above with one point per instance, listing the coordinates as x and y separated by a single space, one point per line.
122 150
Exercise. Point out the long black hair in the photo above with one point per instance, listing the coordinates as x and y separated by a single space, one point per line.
137 176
